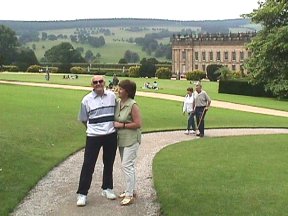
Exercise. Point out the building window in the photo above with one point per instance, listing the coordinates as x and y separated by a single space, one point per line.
203 67
233 56
196 56
218 57
233 67
241 56
196 66
183 55
211 56
204 56
226 57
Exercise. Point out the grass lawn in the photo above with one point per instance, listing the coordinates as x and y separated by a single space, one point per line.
224 176
39 129
174 87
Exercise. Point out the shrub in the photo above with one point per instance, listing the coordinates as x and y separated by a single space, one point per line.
163 73
212 73
224 72
134 71
34 68
195 75
242 87
10 68
78 70
53 69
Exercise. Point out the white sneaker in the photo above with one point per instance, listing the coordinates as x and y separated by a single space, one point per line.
186 132
81 200
192 132
109 194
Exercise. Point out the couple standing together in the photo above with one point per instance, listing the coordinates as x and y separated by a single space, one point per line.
110 123
196 104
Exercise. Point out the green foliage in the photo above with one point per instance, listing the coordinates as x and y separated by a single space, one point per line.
24 57
65 54
134 71
8 44
131 57
78 70
163 73
268 64
225 73
148 67
54 69
195 75
10 68
122 61
212 73
34 68
242 87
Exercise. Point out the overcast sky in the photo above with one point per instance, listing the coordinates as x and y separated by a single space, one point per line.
89 9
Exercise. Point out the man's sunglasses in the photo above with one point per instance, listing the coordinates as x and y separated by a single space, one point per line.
98 81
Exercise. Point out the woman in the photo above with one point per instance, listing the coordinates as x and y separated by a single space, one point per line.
128 122
188 108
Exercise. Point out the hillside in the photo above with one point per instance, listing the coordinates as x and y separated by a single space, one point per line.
120 35
210 26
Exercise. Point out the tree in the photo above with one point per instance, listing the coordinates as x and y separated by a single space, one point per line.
148 67
89 56
212 72
224 72
65 54
131 57
8 44
268 63
24 58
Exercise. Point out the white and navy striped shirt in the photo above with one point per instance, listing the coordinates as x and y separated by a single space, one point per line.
98 112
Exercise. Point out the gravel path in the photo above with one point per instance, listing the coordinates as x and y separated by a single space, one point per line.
55 193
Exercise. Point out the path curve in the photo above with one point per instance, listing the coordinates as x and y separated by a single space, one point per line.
215 103
55 193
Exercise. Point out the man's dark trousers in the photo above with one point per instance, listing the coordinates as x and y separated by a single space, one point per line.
93 146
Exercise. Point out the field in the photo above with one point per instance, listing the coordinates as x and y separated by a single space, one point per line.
39 129
245 175
174 87
116 43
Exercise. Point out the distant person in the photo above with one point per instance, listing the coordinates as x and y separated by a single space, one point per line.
155 85
188 105
115 80
202 103
47 76
128 122
97 114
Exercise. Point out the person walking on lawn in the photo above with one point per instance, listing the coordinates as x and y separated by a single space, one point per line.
188 108
201 105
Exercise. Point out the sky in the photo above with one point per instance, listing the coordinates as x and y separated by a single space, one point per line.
38 10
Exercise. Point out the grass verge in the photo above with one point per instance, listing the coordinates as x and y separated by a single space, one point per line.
224 176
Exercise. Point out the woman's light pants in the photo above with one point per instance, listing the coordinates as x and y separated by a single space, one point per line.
128 157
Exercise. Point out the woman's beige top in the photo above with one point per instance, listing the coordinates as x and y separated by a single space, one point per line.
126 137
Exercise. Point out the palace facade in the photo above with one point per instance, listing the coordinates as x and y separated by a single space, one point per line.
196 52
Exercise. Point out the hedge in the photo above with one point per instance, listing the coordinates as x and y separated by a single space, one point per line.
242 87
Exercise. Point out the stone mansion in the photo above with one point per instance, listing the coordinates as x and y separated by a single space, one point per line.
190 53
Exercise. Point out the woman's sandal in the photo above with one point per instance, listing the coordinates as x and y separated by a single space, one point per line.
122 195
127 200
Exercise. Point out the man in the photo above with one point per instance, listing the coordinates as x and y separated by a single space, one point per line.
202 102
97 114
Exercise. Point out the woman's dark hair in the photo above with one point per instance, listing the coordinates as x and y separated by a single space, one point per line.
190 89
129 86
